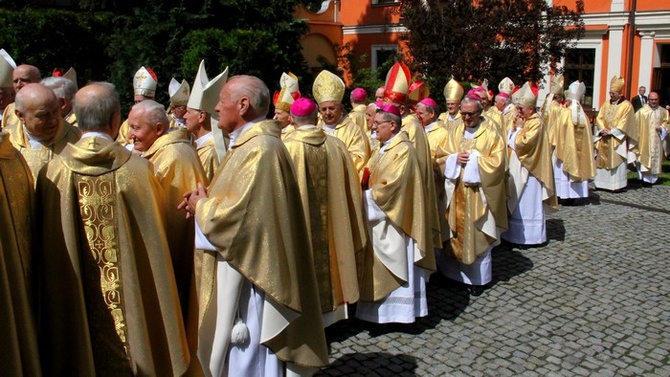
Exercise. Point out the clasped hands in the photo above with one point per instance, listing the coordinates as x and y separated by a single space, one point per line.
190 200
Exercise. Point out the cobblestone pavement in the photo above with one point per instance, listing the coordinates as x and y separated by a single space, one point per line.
593 301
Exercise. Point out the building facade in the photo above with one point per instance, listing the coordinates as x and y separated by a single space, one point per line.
630 38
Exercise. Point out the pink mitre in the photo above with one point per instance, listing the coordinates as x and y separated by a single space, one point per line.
391 109
303 107
359 95
428 102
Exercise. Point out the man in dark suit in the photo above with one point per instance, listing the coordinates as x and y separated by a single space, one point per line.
639 100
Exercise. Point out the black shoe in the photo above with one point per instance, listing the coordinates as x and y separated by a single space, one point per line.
476 290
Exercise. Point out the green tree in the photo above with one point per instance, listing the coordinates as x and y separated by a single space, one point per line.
472 40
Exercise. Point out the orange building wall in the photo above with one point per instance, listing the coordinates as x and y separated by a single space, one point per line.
359 12
590 6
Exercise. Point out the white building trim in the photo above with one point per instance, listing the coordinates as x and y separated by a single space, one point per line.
374 29
373 53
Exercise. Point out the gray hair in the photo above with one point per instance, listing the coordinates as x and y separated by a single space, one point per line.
391 117
435 109
62 87
95 111
467 100
255 89
154 112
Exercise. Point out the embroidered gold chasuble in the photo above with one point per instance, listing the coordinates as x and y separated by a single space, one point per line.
574 144
477 213
38 157
533 150
109 303
178 169
331 199
18 348
435 136
208 157
417 136
397 185
355 140
254 218
650 150
620 118
357 115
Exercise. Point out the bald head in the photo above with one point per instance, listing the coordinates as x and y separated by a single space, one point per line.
25 74
242 99
39 110
97 108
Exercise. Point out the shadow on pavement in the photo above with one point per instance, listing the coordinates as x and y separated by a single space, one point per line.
366 364
508 263
555 230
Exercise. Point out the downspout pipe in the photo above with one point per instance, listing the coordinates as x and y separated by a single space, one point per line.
631 45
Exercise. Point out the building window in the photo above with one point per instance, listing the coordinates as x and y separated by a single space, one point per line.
580 65
384 2
382 53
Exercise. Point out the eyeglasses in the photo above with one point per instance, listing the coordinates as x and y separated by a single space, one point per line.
463 113
376 124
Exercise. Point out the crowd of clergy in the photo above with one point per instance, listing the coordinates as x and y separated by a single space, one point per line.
208 240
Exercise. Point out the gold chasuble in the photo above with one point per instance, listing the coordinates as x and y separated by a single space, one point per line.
355 140
533 150
38 157
178 169
18 348
331 199
436 133
496 117
650 150
108 303
124 131
9 118
208 157
357 115
620 119
254 218
574 144
550 117
444 117
398 189
417 136
477 213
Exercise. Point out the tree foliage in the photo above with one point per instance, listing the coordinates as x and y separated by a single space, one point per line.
110 39
492 39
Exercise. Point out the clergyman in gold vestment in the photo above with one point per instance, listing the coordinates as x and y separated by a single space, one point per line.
258 299
331 199
616 137
653 124
475 187
18 348
108 303
531 175
39 138
177 167
394 273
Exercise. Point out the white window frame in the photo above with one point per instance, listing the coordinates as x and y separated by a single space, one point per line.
376 48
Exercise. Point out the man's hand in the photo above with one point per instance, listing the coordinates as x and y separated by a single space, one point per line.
190 200
463 157
605 132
